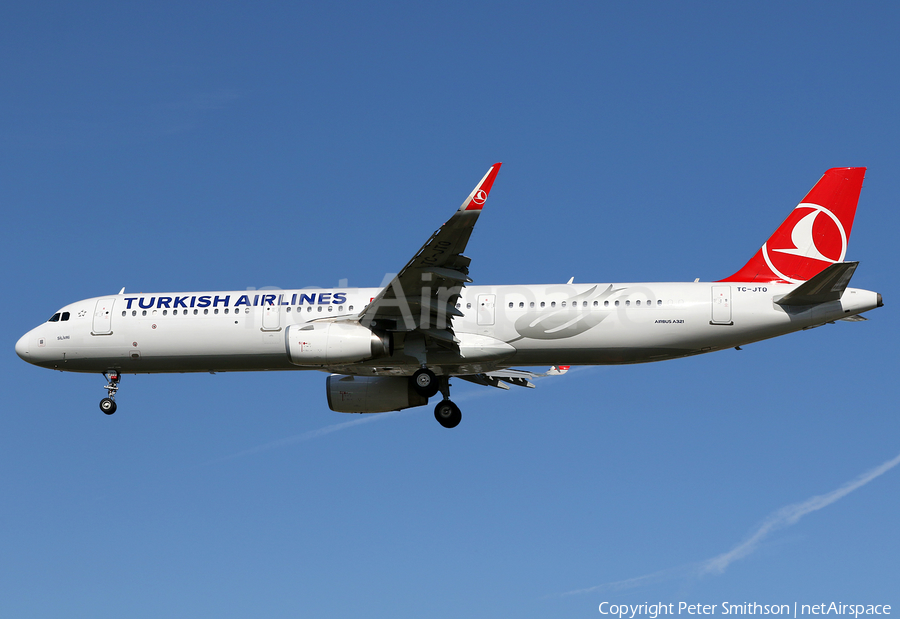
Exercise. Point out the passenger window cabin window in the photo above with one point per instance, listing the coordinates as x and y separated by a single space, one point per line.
123 312
617 304
143 312
330 309
552 303
531 304
226 310
659 301
628 303
563 303
195 312
309 309
510 305
320 308
596 303
216 311
542 304
134 312
165 312
638 302
350 308
521 304
288 310
468 306
606 304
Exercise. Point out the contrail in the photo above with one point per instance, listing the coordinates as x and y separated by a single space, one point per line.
639 581
790 514
306 436
779 519
311 434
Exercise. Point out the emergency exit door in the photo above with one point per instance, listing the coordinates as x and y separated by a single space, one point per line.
271 318
486 305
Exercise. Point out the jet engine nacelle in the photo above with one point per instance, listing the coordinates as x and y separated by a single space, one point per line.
320 343
371 394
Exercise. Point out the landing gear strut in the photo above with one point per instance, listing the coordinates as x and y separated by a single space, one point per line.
427 384
446 412
108 404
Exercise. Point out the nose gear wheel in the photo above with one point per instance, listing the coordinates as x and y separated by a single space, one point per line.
108 404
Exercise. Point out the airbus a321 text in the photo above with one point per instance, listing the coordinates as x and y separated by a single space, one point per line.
395 347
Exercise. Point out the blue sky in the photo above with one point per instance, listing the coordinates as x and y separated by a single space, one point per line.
210 146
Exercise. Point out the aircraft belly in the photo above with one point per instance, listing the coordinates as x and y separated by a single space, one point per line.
182 363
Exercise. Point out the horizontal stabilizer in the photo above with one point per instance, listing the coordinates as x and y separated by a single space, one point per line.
557 370
827 286
854 318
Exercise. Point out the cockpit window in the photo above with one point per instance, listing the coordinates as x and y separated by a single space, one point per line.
65 316
54 318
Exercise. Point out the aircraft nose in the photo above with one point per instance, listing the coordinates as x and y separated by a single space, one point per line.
22 347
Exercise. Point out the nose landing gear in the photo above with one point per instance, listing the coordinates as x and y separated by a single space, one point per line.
108 404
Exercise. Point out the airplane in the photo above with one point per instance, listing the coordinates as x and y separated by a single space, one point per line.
397 346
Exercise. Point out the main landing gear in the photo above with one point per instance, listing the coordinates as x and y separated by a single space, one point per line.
427 385
447 414
108 404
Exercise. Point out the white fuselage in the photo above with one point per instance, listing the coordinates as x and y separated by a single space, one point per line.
501 326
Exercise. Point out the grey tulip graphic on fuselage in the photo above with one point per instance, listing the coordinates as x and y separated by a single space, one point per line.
561 324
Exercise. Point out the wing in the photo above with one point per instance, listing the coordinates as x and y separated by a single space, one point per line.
422 296
520 378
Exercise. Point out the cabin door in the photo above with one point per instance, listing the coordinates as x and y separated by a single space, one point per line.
102 324
721 305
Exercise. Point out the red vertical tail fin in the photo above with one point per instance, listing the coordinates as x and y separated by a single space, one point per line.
813 237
